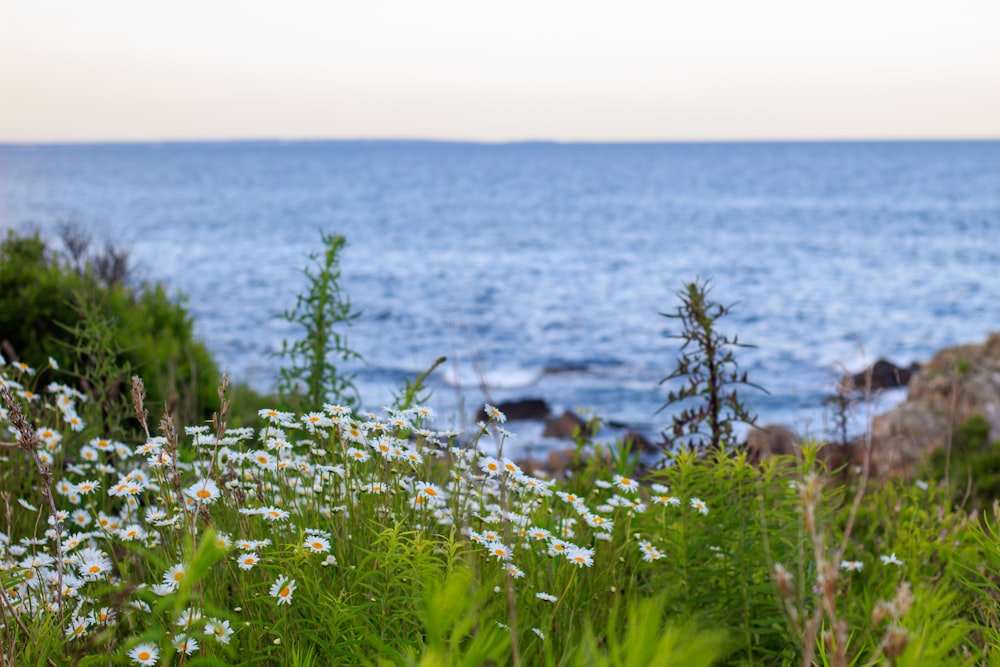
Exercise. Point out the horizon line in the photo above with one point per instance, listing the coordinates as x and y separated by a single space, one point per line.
489 142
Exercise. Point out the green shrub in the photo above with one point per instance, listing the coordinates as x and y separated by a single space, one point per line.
48 307
972 474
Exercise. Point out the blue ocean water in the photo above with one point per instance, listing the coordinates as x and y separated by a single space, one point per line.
541 269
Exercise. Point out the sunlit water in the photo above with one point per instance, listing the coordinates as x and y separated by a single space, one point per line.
542 269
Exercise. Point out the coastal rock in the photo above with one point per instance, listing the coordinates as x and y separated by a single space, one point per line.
638 442
528 408
882 375
566 426
956 384
771 440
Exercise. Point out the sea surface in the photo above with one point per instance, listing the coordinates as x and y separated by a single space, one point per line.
542 269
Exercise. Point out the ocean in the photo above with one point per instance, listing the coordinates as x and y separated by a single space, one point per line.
541 269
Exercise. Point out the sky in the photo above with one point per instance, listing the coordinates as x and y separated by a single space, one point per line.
564 70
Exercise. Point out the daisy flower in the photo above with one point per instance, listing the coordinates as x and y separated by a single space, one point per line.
173 577
891 560
494 414
273 513
499 550
246 561
537 631
852 565
87 486
317 544
184 644
515 572
673 501
580 556
490 466
356 454
557 546
144 654
431 491
283 589
626 483
218 629
204 491
548 597
699 505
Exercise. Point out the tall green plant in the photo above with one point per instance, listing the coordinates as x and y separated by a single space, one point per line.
707 363
311 377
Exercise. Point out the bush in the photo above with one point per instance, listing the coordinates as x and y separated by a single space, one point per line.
48 302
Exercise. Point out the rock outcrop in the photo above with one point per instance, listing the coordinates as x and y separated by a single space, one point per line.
882 375
956 384
528 408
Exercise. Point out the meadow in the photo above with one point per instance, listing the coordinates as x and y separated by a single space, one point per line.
314 533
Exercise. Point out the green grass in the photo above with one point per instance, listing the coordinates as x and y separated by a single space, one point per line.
405 548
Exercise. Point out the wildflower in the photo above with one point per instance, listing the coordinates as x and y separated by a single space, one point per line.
557 546
580 556
548 597
490 466
276 417
699 505
219 629
626 483
649 552
317 544
891 560
93 564
595 521
539 533
81 518
87 486
356 454
514 571
247 560
283 589
273 513
132 532
76 424
204 491
431 491
851 565
173 577
78 627
499 550
315 420
571 498
541 635
185 644
145 654
494 414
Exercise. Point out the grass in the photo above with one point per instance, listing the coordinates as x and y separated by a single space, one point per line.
334 537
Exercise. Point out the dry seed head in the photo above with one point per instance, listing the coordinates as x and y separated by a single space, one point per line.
26 438
784 581
895 642
880 612
901 603
139 402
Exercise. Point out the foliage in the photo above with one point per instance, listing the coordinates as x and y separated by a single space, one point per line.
310 376
707 363
83 312
973 473
323 538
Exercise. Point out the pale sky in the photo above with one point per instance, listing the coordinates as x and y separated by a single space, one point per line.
95 70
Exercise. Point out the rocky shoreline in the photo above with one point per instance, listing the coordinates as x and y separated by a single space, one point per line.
957 383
